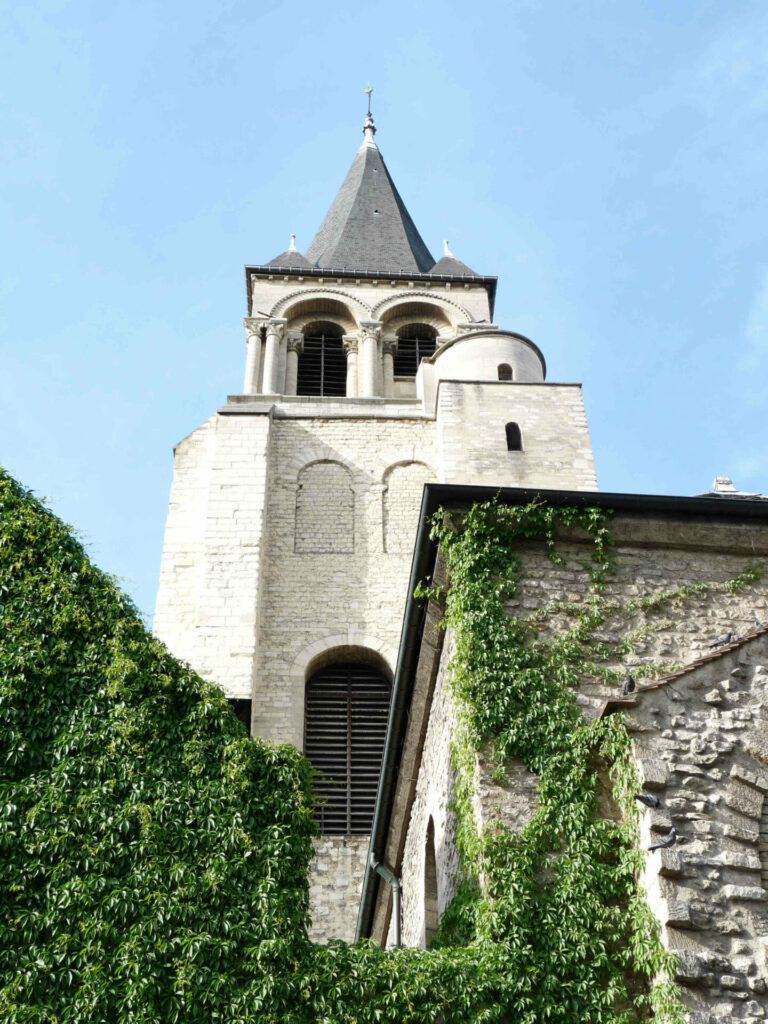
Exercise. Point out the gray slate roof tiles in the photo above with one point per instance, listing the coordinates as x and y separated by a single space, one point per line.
291 259
450 265
368 227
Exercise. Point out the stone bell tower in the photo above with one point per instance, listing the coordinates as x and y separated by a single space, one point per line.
370 369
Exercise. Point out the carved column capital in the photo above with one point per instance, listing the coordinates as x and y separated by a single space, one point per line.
295 341
371 329
350 343
389 346
276 327
252 326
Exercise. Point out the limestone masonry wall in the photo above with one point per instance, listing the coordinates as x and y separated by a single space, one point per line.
434 792
335 881
472 443
318 601
700 740
701 744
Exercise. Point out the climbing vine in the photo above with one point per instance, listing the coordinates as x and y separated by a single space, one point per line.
559 898
153 858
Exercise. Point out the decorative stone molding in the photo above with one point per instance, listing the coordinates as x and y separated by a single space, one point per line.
371 329
350 344
471 326
252 327
447 305
275 327
389 346
295 341
284 304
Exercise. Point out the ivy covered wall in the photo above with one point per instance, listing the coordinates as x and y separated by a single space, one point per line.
546 610
153 859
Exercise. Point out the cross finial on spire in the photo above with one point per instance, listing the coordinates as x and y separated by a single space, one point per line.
292 246
369 128
446 248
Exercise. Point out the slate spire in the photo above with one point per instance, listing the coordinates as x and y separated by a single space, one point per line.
368 227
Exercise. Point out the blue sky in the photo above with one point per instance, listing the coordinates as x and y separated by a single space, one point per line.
608 161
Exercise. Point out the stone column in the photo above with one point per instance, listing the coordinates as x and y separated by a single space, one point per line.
350 347
388 348
371 331
253 355
271 383
295 341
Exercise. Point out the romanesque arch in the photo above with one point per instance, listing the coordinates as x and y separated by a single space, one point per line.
318 300
389 308
401 500
325 509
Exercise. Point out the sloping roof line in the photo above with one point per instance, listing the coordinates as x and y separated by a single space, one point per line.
615 703
450 265
291 259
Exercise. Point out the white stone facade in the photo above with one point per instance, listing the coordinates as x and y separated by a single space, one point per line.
292 516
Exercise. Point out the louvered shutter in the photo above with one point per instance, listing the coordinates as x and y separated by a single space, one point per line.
322 366
345 725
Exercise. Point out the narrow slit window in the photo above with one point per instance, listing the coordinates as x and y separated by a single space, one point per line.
514 438
345 724
431 916
505 371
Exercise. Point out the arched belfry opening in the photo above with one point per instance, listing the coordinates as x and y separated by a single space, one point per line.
346 705
414 343
322 362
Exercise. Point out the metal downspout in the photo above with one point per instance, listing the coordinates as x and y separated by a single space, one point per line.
394 881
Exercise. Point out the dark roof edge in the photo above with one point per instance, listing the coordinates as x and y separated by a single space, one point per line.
422 566
264 270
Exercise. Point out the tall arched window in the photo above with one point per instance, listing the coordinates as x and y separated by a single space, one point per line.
505 371
414 342
430 886
514 438
322 363
345 723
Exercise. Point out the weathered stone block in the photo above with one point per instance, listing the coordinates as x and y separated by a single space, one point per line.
671 864
744 799
731 981
653 773
758 780
756 741
743 835
744 892
678 914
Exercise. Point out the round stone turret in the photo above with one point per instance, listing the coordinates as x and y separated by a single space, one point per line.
489 354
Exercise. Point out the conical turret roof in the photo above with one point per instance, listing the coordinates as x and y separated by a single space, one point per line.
368 227
291 259
449 265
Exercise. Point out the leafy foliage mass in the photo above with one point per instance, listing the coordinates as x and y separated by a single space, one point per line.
153 859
